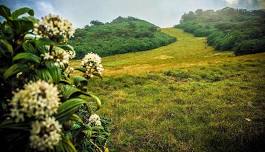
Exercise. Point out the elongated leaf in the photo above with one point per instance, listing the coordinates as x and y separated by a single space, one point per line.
68 91
66 82
55 73
44 74
65 145
67 47
27 57
27 46
68 108
6 46
4 11
43 42
22 11
22 25
80 80
96 99
81 69
14 69
68 145
9 124
76 118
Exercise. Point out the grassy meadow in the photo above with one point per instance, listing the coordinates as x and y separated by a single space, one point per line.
184 97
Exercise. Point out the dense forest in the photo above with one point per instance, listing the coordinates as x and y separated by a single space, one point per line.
122 35
239 30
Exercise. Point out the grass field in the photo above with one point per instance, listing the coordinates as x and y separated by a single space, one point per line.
184 97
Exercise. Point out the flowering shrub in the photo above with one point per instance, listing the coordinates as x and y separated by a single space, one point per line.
54 28
92 66
45 134
95 119
59 56
43 107
38 100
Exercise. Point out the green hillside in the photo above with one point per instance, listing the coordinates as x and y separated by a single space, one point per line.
122 35
239 30
184 97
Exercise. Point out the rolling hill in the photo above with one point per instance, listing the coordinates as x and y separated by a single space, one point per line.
185 96
122 35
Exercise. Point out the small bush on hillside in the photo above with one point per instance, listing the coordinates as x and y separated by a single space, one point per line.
43 108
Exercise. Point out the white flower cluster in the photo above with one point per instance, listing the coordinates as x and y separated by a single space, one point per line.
54 27
60 56
94 119
38 100
92 63
45 134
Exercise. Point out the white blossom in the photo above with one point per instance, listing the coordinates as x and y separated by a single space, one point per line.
54 27
92 63
59 56
38 100
94 119
45 134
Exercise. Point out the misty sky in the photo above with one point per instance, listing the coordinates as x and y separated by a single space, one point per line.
163 13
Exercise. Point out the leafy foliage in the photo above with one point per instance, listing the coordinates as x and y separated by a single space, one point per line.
122 35
239 30
22 61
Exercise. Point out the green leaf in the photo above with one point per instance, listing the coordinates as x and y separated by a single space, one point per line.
68 145
27 46
80 80
82 69
9 124
6 46
55 73
68 91
44 74
43 42
5 12
68 108
65 145
14 69
66 82
27 57
22 11
98 101
22 25
66 47
76 118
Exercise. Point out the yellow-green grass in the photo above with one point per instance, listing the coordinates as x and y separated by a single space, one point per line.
184 97
186 52
216 108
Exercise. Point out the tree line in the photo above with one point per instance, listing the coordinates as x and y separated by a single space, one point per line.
239 30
